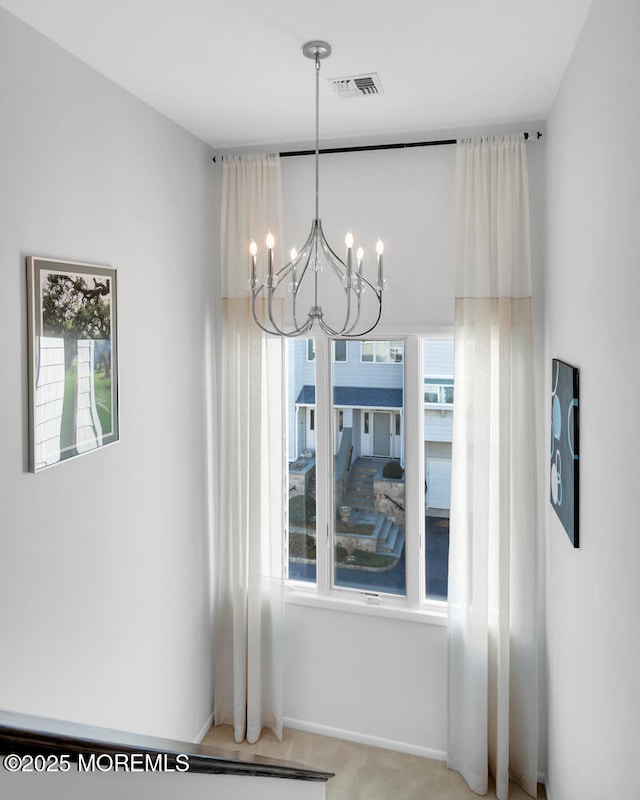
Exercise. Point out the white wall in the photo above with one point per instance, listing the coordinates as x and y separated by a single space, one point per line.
369 678
105 606
593 286
375 680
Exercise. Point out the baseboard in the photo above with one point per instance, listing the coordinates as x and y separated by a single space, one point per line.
363 738
542 778
205 729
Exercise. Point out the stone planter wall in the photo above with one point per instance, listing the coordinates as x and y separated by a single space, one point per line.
393 488
340 491
351 542
300 476
297 483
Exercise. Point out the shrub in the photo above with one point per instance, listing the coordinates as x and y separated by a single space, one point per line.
341 553
302 509
363 558
301 545
392 469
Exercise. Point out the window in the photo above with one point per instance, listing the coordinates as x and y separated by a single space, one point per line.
302 461
381 352
438 390
339 350
367 482
431 395
438 435
356 429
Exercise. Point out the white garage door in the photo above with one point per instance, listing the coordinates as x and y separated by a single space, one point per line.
438 483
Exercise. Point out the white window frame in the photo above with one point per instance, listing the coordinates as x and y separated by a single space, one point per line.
414 605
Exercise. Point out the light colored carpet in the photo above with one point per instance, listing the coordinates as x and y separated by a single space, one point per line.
361 772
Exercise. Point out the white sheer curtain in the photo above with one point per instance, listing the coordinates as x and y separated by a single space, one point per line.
249 554
493 700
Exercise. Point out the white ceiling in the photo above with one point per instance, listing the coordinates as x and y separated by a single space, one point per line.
232 71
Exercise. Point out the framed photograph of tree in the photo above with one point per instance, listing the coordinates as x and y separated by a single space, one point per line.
73 359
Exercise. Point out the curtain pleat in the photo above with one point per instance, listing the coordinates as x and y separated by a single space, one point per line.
249 554
493 699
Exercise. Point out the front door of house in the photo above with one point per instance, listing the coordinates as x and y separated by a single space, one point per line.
381 433
302 429
310 433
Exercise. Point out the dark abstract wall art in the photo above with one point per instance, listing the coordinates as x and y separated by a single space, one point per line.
564 463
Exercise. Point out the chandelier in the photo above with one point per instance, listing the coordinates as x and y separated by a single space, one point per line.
316 274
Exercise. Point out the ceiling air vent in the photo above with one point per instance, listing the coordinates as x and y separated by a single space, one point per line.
357 85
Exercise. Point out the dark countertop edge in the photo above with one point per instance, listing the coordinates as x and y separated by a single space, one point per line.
24 734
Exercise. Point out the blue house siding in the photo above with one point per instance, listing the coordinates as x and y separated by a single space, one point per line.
438 357
363 374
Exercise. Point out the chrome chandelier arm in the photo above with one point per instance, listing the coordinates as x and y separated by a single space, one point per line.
276 330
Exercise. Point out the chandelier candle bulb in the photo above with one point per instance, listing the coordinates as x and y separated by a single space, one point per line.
253 250
270 242
380 251
293 286
348 240
359 258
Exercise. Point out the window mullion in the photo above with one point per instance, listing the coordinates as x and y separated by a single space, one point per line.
414 472
324 455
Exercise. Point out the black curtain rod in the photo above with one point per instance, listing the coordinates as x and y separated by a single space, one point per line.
392 146
362 147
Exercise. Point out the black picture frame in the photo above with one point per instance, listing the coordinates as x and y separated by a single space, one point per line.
564 464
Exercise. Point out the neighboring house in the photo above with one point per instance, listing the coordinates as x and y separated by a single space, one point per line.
438 421
368 381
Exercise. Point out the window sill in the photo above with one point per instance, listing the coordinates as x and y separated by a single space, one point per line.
431 613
